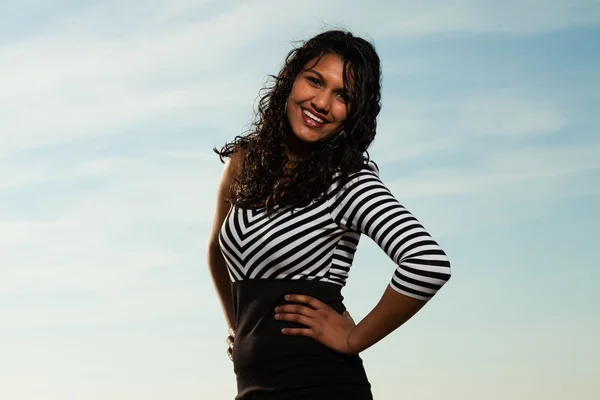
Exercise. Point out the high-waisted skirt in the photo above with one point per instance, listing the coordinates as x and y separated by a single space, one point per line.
271 365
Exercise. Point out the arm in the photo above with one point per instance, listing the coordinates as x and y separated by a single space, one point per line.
393 310
365 205
216 262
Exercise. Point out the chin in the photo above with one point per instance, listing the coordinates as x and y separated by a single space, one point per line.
309 138
308 135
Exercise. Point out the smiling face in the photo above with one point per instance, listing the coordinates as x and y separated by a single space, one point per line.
318 103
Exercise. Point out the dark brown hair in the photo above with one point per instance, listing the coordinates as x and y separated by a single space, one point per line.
263 181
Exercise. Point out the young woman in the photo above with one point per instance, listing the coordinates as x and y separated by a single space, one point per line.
296 194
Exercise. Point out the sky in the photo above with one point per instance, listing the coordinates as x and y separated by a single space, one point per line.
489 134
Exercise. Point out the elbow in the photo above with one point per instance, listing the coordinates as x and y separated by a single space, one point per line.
445 271
422 278
444 274
448 271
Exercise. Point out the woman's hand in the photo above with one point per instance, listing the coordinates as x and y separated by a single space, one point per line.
230 340
322 322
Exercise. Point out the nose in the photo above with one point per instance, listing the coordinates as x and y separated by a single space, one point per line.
320 101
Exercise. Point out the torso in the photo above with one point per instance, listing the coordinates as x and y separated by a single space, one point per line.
291 251
299 244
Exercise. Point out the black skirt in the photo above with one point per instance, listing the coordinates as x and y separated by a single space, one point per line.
271 365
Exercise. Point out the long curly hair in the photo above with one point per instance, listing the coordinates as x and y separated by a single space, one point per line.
264 180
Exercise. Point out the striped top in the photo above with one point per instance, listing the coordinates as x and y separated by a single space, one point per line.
318 242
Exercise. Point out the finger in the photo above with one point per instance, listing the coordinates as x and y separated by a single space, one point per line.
297 332
230 354
230 340
297 318
296 309
301 298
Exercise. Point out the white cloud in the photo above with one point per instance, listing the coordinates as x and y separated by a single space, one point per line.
412 129
504 112
392 146
66 86
130 303
103 166
73 82
493 17
497 172
510 115
110 237
13 175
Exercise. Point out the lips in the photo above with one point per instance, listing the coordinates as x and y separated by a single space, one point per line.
311 119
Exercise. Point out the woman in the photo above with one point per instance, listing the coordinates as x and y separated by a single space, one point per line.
297 193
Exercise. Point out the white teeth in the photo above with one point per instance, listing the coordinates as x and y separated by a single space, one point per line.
313 117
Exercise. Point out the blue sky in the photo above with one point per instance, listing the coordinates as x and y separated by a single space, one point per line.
489 134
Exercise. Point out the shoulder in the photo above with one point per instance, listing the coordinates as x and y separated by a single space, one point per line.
370 167
367 174
367 169
356 192
235 164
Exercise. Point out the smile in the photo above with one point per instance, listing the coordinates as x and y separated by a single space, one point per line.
313 117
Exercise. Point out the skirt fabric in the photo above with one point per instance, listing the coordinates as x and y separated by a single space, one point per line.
271 365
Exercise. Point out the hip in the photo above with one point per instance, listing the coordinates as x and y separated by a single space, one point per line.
268 363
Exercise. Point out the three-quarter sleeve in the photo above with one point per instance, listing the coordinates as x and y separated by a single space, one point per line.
363 203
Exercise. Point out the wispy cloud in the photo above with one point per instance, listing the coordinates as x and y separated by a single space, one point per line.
72 84
462 123
506 115
108 112
112 235
75 83
491 17
499 171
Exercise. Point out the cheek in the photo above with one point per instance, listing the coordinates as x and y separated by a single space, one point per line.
299 92
289 107
340 113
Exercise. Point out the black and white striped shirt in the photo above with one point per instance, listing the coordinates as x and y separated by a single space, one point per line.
318 242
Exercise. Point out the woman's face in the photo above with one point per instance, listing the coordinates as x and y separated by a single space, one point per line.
318 105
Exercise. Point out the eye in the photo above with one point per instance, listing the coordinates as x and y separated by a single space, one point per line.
343 97
314 81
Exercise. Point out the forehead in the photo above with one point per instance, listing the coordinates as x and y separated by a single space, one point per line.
331 66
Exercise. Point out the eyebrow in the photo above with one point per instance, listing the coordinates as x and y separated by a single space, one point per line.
342 89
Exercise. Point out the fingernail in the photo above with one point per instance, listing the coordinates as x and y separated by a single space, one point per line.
276 316
287 296
276 309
